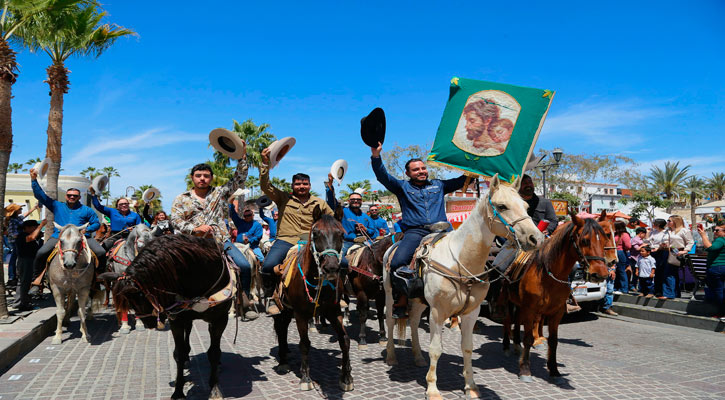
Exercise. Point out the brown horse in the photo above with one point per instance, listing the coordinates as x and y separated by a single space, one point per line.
367 283
543 287
315 287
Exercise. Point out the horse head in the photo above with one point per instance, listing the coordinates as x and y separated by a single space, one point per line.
71 243
507 215
139 237
326 238
610 248
589 241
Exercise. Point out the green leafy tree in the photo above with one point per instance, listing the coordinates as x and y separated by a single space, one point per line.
252 184
696 188
716 184
31 163
573 200
395 159
15 167
73 31
281 184
155 203
90 173
367 194
645 202
670 179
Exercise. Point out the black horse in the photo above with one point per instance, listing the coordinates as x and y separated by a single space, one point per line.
186 278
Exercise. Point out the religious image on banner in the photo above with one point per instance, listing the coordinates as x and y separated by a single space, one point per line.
489 128
487 122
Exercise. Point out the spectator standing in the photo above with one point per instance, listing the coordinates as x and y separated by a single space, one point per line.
645 271
658 241
716 266
637 242
680 243
13 219
622 239
27 244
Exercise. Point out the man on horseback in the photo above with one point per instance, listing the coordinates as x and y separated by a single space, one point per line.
294 223
249 231
356 223
122 218
70 212
422 204
202 211
379 224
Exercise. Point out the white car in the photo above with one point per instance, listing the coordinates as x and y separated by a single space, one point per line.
587 294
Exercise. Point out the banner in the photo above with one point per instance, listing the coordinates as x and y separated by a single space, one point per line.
489 128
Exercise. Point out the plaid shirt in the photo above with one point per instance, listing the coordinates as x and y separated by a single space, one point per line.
187 212
14 228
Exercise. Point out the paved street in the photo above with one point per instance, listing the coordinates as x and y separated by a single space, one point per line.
602 358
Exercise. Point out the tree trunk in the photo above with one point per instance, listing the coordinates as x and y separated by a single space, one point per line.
693 226
8 67
58 82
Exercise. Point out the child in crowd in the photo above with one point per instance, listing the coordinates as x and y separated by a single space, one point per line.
637 242
646 272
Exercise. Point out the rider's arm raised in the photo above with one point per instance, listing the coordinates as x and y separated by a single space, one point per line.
451 185
97 204
236 182
330 197
42 197
278 196
387 180
235 217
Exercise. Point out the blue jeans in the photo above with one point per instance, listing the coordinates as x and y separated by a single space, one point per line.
258 252
646 286
622 283
244 267
609 297
275 256
13 261
404 255
716 283
671 281
345 247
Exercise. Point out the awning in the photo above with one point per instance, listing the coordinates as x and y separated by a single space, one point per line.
458 217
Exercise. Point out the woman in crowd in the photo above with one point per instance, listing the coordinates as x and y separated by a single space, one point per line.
680 243
623 241
716 266
122 218
161 224
658 242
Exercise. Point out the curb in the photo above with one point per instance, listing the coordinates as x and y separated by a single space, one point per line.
668 317
45 319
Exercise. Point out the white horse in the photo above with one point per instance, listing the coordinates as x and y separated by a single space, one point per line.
455 277
70 274
120 258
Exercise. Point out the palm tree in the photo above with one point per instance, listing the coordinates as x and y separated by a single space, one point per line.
364 184
74 31
717 184
110 172
14 15
257 139
670 179
252 183
90 173
696 187
15 167
31 163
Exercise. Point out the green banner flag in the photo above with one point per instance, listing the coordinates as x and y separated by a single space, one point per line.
489 128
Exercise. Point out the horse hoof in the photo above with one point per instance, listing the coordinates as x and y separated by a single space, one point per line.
283 368
434 396
362 346
86 339
216 394
56 340
346 387
473 394
391 361
305 386
178 396
125 330
526 378
140 327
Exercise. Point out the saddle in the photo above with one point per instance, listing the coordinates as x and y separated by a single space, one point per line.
113 253
285 271
518 267
414 283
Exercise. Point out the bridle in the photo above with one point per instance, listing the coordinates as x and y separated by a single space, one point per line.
326 252
61 251
510 226
583 260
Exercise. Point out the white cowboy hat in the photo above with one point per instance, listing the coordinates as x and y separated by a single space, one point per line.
278 149
42 168
359 191
150 194
228 143
99 184
338 170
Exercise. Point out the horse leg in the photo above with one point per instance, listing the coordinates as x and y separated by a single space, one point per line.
380 306
59 312
362 310
281 325
345 303
390 349
553 343
82 300
539 338
214 354
524 360
468 321
455 323
507 331
305 380
181 355
517 330
187 343
434 352
125 328
416 310
346 383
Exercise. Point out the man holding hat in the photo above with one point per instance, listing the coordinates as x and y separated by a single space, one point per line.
13 220
70 212
355 222
294 223
249 231
379 224
422 204
203 210
27 245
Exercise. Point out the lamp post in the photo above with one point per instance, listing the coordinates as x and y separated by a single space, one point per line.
133 192
557 152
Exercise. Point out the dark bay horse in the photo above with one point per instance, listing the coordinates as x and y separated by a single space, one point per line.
315 288
187 278
367 283
543 287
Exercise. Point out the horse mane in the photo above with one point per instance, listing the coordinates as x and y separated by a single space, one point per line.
162 263
561 239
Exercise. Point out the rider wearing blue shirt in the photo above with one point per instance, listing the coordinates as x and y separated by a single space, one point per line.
249 231
122 218
422 203
379 224
354 221
271 223
70 212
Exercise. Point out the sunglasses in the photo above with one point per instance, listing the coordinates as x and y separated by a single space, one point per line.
122 204
247 215
718 230
355 201
72 196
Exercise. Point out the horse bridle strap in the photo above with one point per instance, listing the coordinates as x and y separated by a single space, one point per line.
509 226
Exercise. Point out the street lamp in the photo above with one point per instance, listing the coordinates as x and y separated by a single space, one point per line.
133 192
557 153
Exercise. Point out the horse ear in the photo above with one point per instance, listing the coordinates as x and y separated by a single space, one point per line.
517 183
84 226
316 214
603 216
576 220
58 227
493 186
338 212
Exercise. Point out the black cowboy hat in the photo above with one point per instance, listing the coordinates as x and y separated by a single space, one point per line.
29 223
263 201
372 127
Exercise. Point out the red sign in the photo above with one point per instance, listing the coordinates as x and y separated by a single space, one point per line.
460 206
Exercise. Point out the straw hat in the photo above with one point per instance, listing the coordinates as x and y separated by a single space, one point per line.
99 184
10 210
228 143
150 194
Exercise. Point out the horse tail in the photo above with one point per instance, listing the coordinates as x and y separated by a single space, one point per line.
400 328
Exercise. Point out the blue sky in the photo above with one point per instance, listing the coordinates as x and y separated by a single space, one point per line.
643 79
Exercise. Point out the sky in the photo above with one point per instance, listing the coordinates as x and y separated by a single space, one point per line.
644 79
